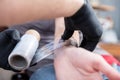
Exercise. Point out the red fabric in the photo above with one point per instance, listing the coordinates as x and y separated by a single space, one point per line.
110 59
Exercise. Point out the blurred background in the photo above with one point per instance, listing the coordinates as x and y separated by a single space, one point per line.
108 12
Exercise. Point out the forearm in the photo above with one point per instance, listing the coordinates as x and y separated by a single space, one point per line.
19 11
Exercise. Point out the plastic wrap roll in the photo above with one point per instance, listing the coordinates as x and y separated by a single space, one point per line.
21 56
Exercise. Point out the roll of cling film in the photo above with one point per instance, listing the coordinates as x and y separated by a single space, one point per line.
21 56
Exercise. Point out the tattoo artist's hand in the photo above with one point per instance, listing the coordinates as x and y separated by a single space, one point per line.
8 40
79 64
86 21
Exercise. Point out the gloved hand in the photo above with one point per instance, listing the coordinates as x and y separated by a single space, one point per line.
8 40
86 21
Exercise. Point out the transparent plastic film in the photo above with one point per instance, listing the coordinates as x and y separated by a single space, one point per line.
49 48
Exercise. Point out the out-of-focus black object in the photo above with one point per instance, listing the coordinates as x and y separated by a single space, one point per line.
86 21
8 40
20 76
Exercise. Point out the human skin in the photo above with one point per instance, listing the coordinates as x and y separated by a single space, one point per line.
73 63
21 11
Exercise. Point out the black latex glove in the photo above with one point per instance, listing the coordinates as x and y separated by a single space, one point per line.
8 40
86 21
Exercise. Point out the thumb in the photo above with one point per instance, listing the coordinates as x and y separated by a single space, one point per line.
108 70
67 34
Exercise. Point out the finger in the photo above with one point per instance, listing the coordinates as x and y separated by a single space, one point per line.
13 35
67 34
108 70
68 29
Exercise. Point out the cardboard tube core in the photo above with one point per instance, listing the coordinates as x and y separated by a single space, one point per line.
19 62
